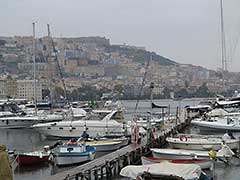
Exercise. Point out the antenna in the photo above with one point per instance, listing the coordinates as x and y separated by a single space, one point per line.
48 28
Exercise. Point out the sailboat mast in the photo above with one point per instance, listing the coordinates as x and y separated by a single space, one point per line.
50 67
34 69
223 40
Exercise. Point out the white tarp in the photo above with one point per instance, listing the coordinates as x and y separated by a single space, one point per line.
218 112
185 171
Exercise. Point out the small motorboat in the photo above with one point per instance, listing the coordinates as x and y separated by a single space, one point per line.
224 152
204 163
164 170
73 152
106 144
211 143
34 157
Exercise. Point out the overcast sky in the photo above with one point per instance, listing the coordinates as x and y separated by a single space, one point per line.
187 31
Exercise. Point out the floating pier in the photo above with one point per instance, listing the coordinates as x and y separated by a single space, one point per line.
110 165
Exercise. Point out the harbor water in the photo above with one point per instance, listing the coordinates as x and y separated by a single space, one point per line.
28 140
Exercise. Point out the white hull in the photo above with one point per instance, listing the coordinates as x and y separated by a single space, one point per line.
202 144
68 160
217 125
26 121
108 145
17 123
204 165
186 154
68 129
76 131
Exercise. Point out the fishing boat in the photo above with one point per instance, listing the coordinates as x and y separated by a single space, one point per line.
106 144
185 142
204 163
34 157
224 152
70 129
218 123
164 170
73 153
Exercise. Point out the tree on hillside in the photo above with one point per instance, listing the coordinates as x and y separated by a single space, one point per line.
202 91
166 92
182 93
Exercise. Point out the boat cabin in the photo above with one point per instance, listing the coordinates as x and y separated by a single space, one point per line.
72 148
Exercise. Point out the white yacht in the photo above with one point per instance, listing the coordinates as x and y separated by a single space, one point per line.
11 120
95 127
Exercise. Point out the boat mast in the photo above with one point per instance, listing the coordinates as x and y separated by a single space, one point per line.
223 40
50 67
223 44
60 72
34 69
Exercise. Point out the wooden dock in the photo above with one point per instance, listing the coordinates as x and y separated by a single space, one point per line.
110 165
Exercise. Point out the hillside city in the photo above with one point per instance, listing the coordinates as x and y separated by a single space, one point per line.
92 67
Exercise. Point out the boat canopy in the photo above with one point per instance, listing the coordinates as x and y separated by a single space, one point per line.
185 171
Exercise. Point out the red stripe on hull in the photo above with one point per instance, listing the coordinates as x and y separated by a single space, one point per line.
178 160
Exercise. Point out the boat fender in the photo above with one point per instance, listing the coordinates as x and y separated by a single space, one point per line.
50 158
212 154
183 138
91 156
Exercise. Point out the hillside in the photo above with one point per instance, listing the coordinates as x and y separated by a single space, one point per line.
139 55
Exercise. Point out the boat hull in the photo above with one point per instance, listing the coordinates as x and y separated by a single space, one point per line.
15 123
70 129
62 160
30 160
202 144
108 145
73 154
204 163
183 154
26 121
216 126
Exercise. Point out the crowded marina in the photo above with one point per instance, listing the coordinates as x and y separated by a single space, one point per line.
72 146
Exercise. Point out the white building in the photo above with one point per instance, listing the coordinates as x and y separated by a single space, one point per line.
25 90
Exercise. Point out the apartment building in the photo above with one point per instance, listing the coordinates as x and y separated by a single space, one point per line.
25 89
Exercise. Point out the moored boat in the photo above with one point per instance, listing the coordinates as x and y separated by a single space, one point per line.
185 142
34 157
204 163
70 129
10 120
73 153
107 144
164 170
224 152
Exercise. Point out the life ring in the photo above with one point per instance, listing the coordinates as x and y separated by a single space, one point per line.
183 138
